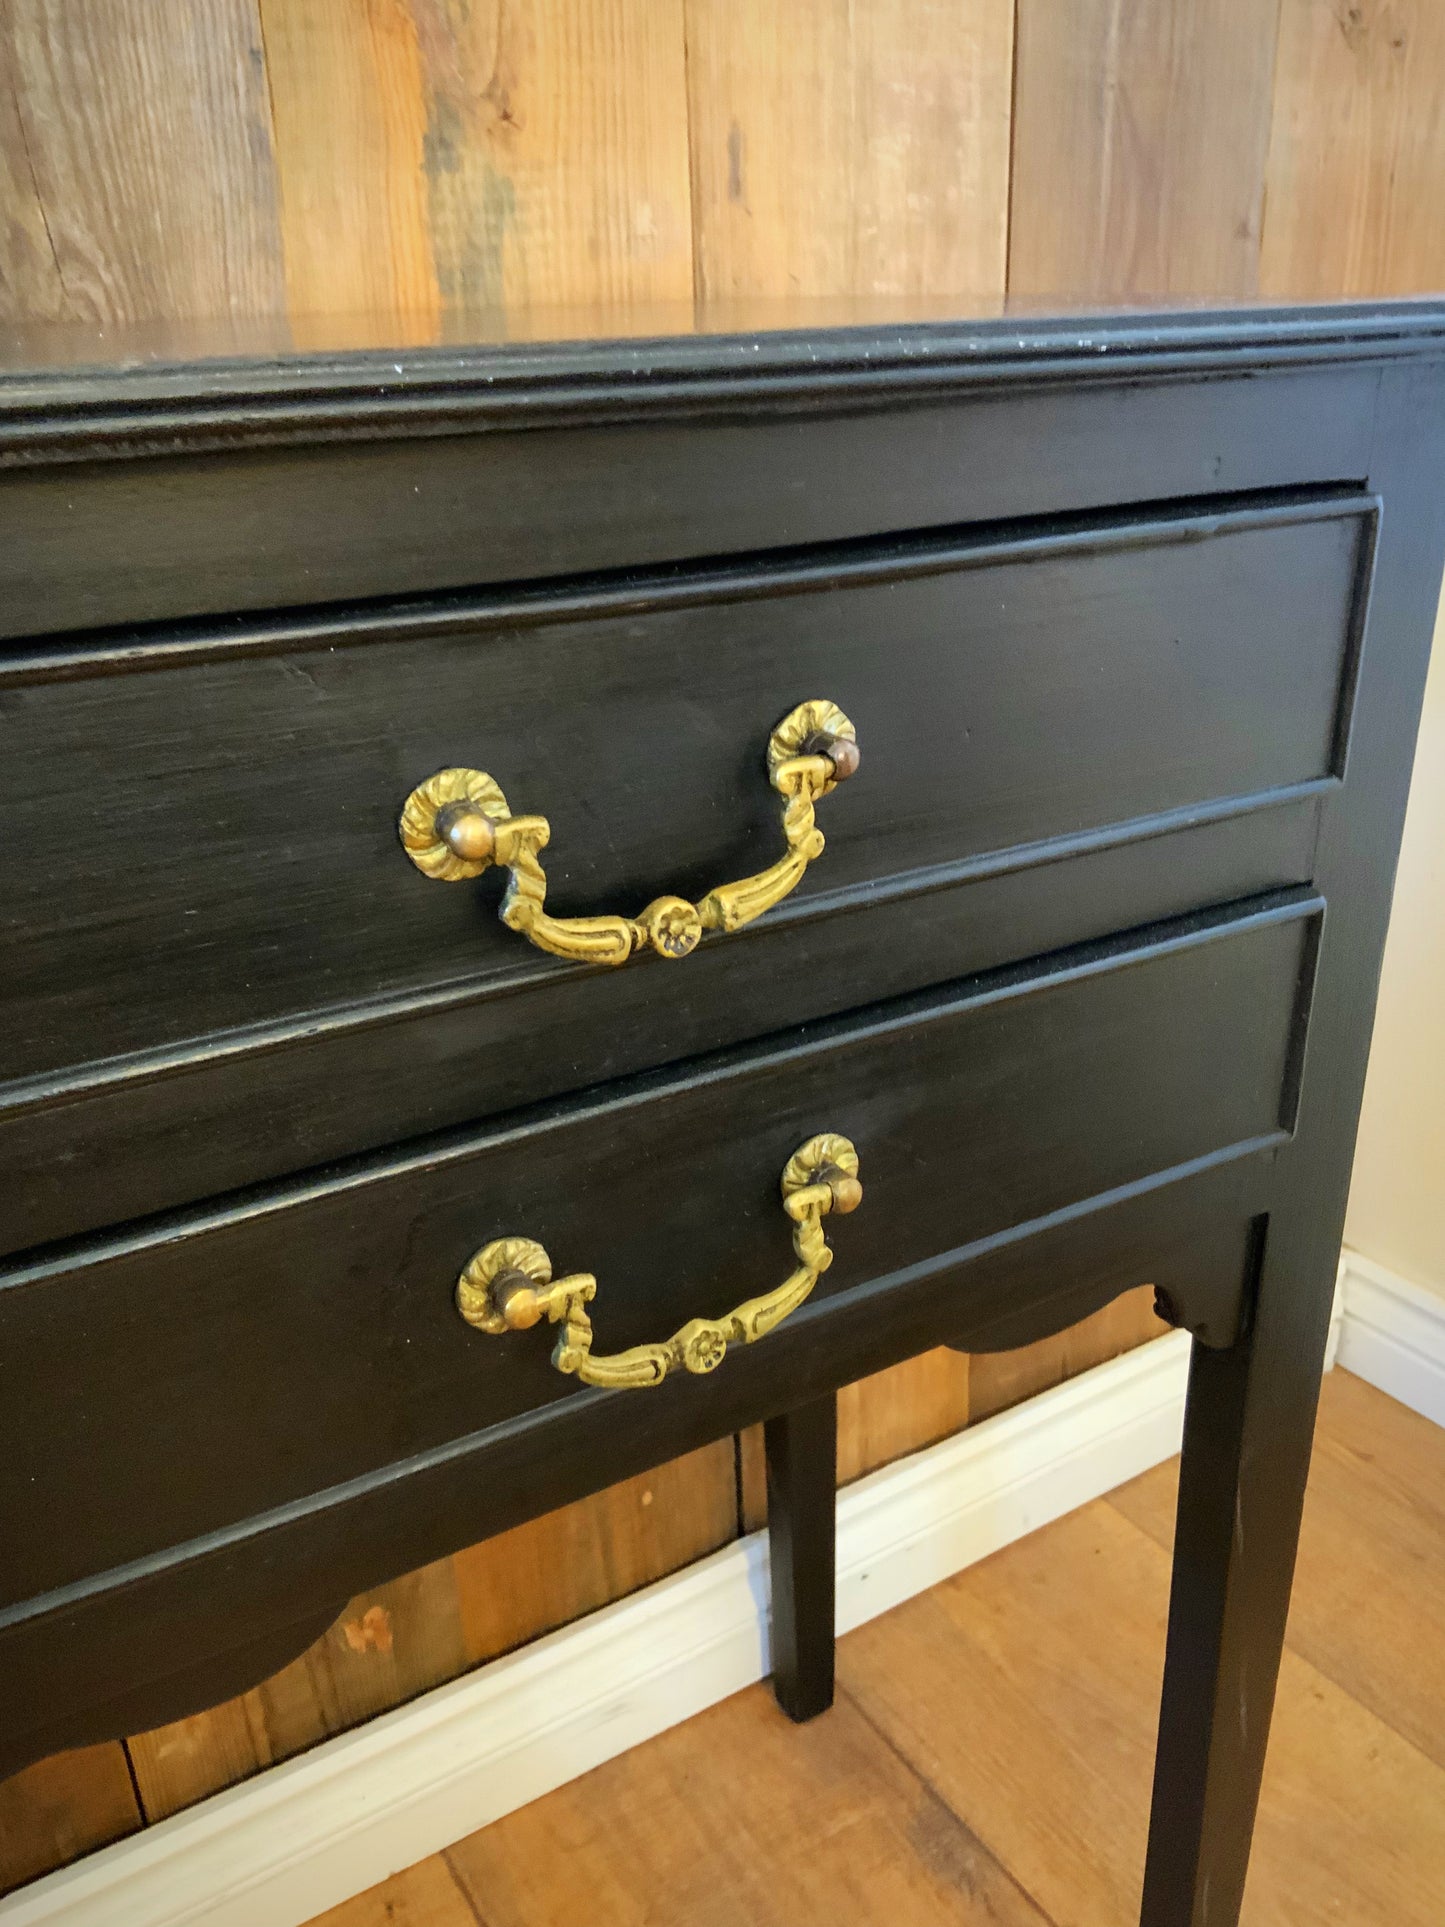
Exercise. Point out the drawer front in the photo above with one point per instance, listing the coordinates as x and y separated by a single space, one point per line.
211 845
213 1367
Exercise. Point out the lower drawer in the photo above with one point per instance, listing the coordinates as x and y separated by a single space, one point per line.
169 1382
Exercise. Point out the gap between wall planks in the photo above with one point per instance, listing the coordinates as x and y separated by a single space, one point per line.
417 156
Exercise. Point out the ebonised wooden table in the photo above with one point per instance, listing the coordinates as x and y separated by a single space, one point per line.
506 846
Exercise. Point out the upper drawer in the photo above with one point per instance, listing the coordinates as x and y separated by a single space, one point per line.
203 868
202 844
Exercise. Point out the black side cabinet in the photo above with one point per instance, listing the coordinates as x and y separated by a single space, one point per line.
561 901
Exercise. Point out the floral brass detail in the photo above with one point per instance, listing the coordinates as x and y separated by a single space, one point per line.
457 824
508 1285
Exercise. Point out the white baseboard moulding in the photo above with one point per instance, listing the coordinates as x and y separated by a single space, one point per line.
1392 1332
310 1833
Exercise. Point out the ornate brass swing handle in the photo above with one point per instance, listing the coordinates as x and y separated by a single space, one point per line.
508 1286
457 823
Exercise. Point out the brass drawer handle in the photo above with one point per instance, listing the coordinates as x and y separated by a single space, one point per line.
457 823
508 1286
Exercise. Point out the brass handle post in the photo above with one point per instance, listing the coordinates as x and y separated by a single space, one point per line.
457 824
508 1285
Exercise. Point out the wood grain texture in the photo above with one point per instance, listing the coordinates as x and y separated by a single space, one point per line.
1357 152
555 152
30 285
426 1895
1000 1379
901 1410
843 149
1139 140
147 130
349 113
540 1575
451 157
399 1639
740 1816
62 1807
438 158
982 1686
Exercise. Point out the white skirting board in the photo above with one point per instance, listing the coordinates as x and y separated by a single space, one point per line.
305 1835
1392 1332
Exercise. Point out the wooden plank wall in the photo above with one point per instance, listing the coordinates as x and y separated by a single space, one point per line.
166 159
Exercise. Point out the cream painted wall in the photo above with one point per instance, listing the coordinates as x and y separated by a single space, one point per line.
1397 1200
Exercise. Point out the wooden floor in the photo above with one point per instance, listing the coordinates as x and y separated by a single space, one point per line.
988 1759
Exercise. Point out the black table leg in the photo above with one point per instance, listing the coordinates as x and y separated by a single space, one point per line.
1248 1431
802 1454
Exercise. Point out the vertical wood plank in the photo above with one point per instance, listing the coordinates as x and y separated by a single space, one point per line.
441 159
1001 1379
842 149
914 1404
525 1582
1357 153
30 285
1141 130
60 1808
349 113
147 132
556 152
